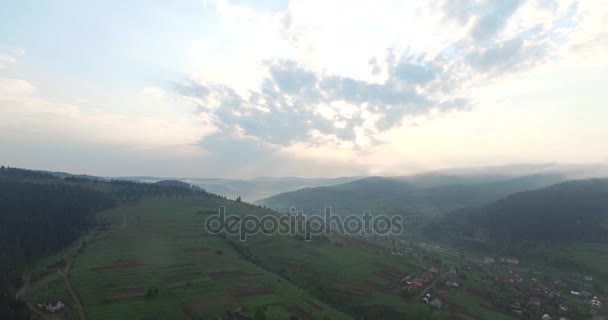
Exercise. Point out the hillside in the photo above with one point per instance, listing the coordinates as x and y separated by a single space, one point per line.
146 253
574 211
419 194
139 249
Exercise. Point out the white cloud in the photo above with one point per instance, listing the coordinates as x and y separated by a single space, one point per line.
30 115
154 91
5 60
12 86
354 76
369 84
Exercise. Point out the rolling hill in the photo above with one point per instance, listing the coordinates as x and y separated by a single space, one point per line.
573 211
419 194
135 250
251 189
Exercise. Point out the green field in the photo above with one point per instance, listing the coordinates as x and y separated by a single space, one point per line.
160 246
153 260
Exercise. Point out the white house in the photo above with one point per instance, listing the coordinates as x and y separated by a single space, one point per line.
54 305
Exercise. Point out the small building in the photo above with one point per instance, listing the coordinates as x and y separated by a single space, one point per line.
509 260
535 301
417 282
54 305
545 317
488 260
435 303
427 298
405 280
588 278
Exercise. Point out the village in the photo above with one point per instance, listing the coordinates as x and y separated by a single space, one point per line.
511 289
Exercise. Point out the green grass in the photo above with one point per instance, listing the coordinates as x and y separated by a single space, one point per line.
161 237
160 244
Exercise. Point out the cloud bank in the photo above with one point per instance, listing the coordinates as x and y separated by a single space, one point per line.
470 44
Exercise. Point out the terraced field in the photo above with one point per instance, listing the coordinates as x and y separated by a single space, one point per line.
157 262
154 260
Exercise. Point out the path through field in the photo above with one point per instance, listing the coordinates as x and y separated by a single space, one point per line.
64 273
72 255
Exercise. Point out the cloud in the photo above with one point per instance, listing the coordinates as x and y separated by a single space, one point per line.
508 56
6 59
448 51
492 18
154 91
295 104
12 86
303 75
24 112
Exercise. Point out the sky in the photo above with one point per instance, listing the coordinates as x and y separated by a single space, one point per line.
243 88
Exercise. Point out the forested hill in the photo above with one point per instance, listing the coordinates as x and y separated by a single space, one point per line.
40 214
427 193
566 212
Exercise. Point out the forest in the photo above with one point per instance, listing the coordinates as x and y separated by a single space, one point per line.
40 214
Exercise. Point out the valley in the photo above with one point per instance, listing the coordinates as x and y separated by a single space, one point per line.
149 256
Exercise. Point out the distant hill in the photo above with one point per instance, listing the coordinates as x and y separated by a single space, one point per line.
251 190
419 194
63 175
173 183
566 212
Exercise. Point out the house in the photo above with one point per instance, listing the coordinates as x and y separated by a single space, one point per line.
510 260
435 303
427 298
586 294
588 278
434 269
488 260
535 301
405 280
417 282
54 305
575 292
563 308
511 278
595 303
545 317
